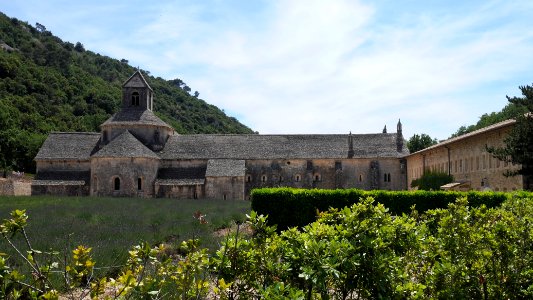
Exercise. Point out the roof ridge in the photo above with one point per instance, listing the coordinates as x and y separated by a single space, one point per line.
125 141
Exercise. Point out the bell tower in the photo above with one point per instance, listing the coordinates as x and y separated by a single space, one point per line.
136 93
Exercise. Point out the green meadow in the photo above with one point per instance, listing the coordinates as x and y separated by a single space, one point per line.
111 226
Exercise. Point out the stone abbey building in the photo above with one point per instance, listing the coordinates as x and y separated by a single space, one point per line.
137 154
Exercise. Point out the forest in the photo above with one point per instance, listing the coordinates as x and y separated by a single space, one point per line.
47 84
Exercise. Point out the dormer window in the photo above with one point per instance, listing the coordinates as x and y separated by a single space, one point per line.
135 99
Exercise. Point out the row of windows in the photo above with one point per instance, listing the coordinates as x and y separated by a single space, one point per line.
298 178
469 164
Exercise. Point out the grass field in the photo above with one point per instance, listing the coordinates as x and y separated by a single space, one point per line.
112 225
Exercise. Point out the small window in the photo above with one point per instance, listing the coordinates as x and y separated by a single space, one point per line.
248 178
388 177
135 99
288 163
360 177
263 178
297 178
117 184
309 165
317 177
338 166
139 184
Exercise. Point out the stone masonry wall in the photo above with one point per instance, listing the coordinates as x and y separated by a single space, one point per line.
468 161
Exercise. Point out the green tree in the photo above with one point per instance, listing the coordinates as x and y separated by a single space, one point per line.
432 181
518 147
419 142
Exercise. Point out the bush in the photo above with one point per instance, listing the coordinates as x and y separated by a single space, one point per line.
432 181
287 207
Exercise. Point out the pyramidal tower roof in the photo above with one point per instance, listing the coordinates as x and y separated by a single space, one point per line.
137 80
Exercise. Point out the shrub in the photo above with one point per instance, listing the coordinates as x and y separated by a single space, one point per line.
287 207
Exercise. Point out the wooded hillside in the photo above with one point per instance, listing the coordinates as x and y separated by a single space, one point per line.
47 84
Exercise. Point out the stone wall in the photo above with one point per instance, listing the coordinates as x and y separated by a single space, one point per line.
136 176
11 187
467 160
60 189
225 188
358 173
179 191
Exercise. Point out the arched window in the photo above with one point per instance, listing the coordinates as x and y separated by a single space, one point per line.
360 177
135 99
263 178
248 178
117 184
297 178
317 177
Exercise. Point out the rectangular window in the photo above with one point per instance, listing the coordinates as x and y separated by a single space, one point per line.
338 165
309 165
139 184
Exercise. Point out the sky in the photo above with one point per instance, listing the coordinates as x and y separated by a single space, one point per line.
308 66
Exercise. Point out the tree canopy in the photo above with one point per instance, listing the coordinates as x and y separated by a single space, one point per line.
47 85
518 147
419 142
508 112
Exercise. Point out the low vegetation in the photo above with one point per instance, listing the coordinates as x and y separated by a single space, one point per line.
289 207
110 226
357 252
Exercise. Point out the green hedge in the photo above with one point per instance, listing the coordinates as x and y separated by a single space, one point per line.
288 207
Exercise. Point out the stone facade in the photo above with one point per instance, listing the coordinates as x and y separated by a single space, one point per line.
467 160
136 154
14 187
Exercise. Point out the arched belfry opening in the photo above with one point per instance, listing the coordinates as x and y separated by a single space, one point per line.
136 93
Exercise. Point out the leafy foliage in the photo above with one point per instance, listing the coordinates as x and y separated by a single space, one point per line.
288 207
419 142
432 181
357 252
518 148
510 111
50 85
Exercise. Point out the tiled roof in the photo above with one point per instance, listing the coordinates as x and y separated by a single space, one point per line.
179 181
131 116
125 145
254 146
136 80
68 146
58 182
225 167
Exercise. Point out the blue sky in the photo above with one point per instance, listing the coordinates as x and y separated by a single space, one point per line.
305 66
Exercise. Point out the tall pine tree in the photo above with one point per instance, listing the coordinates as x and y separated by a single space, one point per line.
518 147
